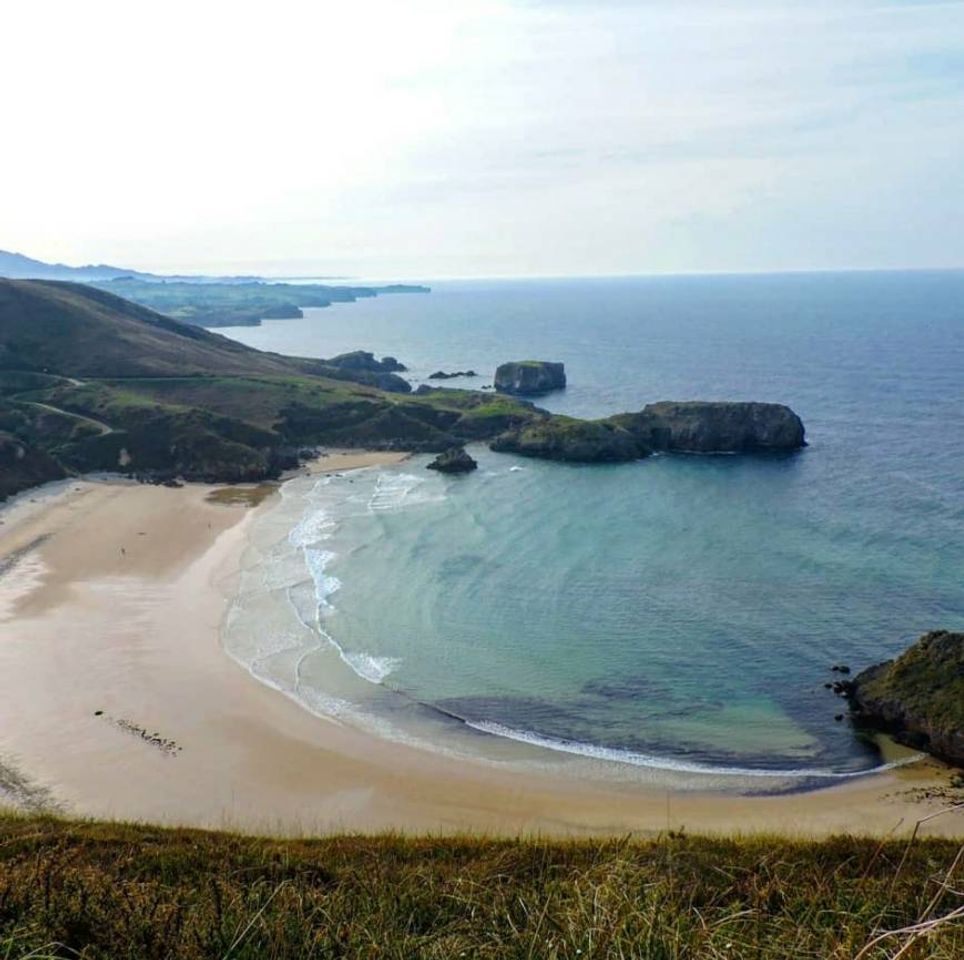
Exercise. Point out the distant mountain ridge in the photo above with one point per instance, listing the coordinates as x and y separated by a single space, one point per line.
203 301
17 266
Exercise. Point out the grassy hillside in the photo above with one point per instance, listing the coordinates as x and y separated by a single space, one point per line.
89 381
92 382
135 893
76 331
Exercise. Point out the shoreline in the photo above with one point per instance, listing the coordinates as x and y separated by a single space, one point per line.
118 609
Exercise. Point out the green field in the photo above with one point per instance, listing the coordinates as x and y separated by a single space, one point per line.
238 303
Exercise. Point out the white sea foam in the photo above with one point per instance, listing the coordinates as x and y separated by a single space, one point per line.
273 643
315 525
325 585
373 669
396 491
632 758
391 491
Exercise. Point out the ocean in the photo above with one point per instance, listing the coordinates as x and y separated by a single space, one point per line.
673 620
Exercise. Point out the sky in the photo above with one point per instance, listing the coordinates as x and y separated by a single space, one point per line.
415 139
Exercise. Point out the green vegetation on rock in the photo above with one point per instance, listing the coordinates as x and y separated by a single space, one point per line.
565 438
919 697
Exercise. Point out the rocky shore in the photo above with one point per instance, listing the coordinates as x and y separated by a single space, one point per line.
673 427
917 698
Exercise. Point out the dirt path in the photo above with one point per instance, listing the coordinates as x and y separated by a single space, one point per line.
100 425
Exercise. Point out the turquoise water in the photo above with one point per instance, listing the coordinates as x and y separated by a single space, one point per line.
681 611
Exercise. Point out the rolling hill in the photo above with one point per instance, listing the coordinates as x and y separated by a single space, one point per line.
89 381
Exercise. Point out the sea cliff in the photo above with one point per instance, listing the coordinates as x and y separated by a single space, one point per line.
918 698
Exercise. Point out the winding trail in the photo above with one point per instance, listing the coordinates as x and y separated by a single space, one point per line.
104 428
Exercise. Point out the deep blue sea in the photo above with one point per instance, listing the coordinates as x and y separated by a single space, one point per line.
679 613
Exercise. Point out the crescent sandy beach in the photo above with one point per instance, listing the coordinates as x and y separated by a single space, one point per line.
117 700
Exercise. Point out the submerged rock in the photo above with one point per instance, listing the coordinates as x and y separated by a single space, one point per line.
442 375
917 698
528 378
698 426
454 460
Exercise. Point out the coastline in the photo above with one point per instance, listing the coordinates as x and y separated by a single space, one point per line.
114 604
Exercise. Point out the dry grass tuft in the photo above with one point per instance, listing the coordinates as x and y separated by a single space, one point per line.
92 891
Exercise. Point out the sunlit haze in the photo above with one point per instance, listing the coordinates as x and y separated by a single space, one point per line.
485 137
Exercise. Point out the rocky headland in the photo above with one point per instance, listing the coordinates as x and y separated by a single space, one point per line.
918 698
699 426
672 427
530 378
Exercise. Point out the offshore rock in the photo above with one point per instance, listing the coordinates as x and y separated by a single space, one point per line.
530 378
454 460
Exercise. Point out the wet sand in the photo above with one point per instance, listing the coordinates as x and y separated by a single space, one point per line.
116 700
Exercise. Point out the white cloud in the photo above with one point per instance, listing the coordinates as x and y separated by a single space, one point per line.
484 137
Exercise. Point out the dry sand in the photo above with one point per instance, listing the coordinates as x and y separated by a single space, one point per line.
118 701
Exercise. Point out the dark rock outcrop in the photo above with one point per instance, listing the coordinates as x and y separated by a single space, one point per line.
917 698
693 427
529 378
23 466
391 383
454 460
578 441
360 366
364 360
442 375
714 427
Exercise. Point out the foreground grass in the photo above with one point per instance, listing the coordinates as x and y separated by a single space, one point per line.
111 891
